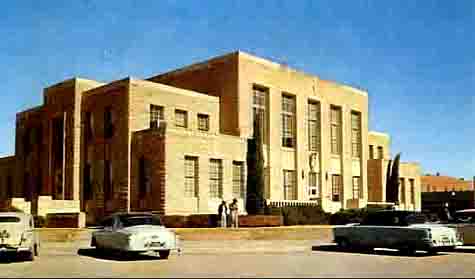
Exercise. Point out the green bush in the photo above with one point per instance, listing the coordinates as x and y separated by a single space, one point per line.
346 216
300 215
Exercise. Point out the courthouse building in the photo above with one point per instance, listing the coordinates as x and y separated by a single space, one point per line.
176 143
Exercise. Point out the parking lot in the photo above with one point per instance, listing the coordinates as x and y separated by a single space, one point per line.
241 258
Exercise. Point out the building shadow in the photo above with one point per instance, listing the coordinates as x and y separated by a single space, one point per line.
376 252
116 255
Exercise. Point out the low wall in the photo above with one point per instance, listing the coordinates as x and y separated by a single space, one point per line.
65 220
317 233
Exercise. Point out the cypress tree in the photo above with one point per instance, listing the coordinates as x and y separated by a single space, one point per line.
255 172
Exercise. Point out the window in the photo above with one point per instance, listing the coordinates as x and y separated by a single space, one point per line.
413 190
156 114
371 152
88 128
145 177
191 176
336 187
289 185
215 178
87 182
107 180
314 184
288 121
108 125
355 134
259 109
356 187
335 129
181 118
238 179
402 191
380 152
314 126
203 122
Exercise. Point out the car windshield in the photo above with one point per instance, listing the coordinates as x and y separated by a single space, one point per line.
130 221
9 219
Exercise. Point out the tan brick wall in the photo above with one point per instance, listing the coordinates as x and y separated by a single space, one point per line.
377 139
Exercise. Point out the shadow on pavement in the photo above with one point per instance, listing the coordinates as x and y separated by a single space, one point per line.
382 252
115 255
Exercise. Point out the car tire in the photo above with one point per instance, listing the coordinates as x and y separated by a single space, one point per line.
343 243
432 252
408 251
164 254
30 255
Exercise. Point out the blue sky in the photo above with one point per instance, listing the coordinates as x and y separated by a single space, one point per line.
415 58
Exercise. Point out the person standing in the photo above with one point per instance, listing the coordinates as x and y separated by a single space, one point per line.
223 213
234 208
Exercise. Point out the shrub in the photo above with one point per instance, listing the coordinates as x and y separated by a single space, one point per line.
300 215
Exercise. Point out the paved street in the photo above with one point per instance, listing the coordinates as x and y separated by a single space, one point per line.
242 259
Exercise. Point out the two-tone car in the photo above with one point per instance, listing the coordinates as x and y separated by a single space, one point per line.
17 235
135 233
403 230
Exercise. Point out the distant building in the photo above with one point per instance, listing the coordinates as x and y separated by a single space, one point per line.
439 191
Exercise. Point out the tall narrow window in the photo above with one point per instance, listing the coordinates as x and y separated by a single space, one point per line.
314 126
380 152
371 152
108 124
335 129
336 187
107 180
355 134
215 178
314 185
181 118
87 182
288 121
238 179
402 191
289 185
203 122
356 187
191 176
145 177
156 114
259 109
413 190
88 132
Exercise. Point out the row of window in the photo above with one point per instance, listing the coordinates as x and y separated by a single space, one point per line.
181 118
288 121
402 191
192 179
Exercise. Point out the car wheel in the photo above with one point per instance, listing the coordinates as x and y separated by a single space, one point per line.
30 255
432 251
407 251
343 243
164 254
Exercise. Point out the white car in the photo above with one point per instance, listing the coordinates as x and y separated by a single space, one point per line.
17 235
135 233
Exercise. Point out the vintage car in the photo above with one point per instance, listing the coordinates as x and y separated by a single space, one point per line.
464 222
17 235
135 233
406 231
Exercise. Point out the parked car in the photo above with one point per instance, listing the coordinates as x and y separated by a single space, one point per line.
17 235
403 230
464 222
135 233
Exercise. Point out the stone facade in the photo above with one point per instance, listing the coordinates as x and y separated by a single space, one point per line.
409 175
176 143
